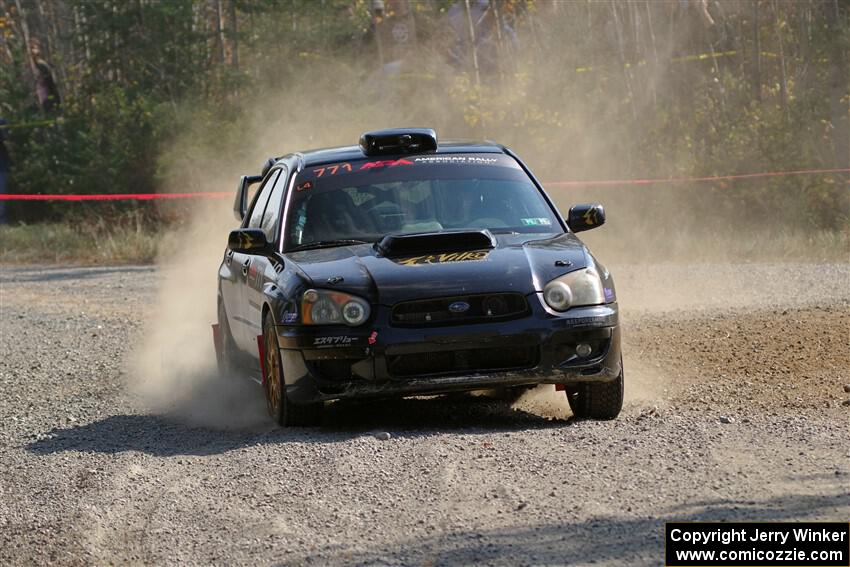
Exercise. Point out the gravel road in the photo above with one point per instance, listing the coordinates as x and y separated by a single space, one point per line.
736 411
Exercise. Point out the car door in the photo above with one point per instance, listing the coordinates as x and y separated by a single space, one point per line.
263 268
242 326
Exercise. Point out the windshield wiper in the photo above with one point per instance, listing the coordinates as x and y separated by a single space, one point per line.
327 244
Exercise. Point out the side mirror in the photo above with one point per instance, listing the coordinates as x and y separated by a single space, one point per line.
585 217
240 204
247 241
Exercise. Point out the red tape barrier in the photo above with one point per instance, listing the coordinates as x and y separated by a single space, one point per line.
591 183
117 196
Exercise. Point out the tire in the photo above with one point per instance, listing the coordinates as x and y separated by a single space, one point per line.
226 359
596 400
284 412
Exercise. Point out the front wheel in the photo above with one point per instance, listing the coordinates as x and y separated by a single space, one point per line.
596 400
280 408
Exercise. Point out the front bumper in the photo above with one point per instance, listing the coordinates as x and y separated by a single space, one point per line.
327 363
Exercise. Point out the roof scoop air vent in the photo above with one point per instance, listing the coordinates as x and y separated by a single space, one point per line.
398 141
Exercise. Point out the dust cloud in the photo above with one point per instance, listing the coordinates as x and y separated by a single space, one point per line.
544 401
175 369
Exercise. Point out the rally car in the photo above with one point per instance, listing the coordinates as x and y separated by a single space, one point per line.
402 266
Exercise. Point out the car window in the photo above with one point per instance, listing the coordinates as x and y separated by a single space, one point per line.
365 200
260 203
271 217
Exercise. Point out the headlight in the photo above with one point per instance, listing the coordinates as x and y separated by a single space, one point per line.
323 307
582 287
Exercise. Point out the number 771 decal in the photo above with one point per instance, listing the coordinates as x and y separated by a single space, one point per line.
332 169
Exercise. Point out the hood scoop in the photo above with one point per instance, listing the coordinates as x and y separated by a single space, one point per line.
397 246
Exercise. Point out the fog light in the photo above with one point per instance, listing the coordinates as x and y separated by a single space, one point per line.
583 349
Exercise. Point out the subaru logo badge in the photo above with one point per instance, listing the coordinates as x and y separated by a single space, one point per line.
459 307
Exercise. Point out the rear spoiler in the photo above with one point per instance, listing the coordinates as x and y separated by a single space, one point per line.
240 204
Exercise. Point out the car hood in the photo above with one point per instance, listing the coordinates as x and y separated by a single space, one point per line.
521 263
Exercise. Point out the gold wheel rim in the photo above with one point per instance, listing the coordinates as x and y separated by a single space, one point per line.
273 387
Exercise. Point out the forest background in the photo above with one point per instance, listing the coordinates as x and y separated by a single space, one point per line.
144 96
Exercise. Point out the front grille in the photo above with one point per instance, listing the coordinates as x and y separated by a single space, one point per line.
462 361
467 309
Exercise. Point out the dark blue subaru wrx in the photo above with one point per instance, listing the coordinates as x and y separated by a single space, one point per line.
403 266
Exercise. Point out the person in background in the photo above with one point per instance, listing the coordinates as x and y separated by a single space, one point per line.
45 85
4 169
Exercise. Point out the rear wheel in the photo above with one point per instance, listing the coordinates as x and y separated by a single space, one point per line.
596 400
280 408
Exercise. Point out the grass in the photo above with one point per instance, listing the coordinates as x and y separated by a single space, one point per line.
125 242
131 241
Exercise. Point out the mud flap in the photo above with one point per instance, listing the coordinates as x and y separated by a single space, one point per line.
261 349
560 387
217 342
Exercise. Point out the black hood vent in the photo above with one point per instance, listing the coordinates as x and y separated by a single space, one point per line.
397 246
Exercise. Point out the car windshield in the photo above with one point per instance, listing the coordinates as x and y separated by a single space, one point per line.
363 200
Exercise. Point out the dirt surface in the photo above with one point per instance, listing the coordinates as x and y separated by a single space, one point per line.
735 411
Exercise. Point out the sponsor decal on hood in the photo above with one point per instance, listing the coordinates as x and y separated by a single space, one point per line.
472 256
